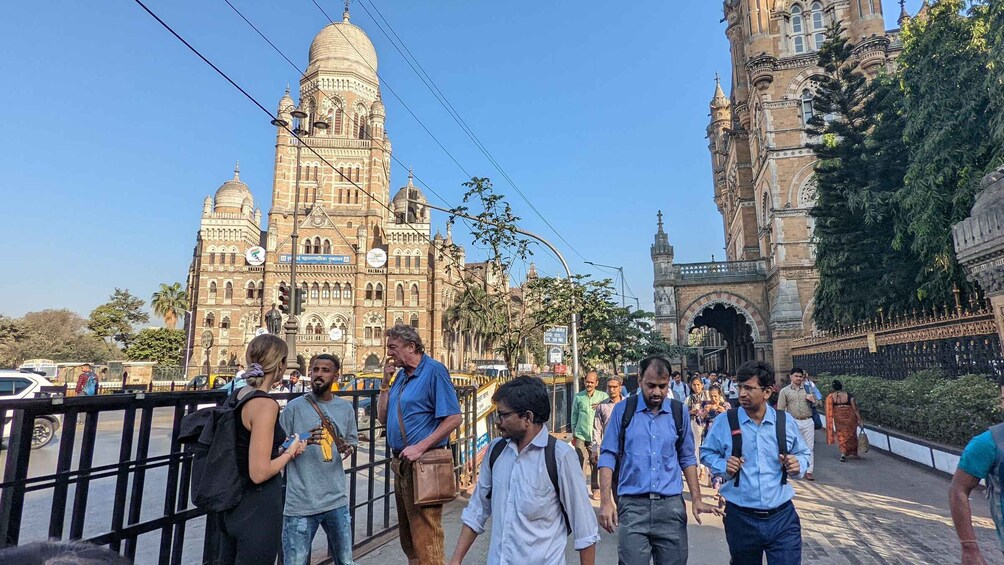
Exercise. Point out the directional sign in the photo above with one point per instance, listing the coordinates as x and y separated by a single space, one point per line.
557 335
554 355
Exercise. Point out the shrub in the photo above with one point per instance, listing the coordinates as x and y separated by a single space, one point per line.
926 405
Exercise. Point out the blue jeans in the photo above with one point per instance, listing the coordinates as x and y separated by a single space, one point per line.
298 535
750 536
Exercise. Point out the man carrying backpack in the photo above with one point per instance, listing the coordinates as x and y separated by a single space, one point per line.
531 485
754 450
647 444
87 381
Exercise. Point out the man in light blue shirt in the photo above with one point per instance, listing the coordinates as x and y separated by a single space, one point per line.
759 514
680 389
650 512
529 517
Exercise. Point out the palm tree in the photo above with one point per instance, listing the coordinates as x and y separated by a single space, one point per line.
170 303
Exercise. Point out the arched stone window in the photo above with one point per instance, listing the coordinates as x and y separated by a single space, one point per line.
225 323
319 329
369 291
249 291
228 291
210 320
308 248
212 290
399 295
261 290
378 292
347 292
418 262
414 294
807 110
326 292
797 29
414 320
317 245
338 121
336 292
327 247
315 293
309 329
817 24
398 321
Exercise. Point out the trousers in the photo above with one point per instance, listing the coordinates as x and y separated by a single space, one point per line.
251 532
298 535
652 531
808 431
421 527
750 536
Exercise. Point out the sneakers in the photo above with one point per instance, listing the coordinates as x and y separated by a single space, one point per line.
809 477
843 458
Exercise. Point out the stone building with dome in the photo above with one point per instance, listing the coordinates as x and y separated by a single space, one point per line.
760 297
365 261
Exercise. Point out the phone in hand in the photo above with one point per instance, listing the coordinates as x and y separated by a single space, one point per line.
295 437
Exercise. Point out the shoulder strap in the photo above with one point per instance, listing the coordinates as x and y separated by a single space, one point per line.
400 417
780 430
737 436
497 450
325 420
676 407
630 407
551 460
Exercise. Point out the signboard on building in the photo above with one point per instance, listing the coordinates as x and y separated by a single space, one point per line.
554 355
316 259
376 258
557 335
255 256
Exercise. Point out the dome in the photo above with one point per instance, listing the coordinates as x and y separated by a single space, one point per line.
411 200
343 47
233 194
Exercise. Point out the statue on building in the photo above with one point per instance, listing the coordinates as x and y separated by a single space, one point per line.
273 320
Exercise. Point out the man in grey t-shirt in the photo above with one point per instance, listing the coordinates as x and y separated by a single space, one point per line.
315 482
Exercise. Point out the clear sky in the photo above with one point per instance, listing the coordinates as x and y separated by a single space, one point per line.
114 132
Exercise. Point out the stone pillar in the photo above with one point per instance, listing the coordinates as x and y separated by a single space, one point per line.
979 243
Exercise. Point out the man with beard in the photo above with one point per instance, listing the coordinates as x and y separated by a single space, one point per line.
651 458
534 502
315 481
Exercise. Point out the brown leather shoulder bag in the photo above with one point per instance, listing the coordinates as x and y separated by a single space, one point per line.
433 479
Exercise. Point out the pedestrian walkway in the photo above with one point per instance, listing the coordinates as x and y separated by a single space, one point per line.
879 510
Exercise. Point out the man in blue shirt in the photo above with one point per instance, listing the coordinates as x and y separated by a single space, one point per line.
759 514
983 458
680 389
424 400
650 512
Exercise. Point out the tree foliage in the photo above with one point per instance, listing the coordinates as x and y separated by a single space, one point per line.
170 303
113 321
60 335
163 345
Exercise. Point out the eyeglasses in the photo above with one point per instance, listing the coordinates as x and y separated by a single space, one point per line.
503 415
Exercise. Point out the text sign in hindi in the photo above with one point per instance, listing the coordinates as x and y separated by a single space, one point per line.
316 259
558 335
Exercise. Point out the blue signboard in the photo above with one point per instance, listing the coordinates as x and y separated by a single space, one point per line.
558 335
317 259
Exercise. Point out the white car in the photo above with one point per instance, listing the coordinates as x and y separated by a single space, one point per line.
15 385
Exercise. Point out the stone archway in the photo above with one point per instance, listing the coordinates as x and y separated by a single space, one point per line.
736 319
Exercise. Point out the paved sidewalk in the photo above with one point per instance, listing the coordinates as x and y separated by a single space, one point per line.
879 510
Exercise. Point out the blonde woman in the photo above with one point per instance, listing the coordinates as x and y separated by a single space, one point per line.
251 532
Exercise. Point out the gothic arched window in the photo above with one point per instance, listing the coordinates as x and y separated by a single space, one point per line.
399 295
818 25
797 29
338 121
308 247
210 320
347 292
315 292
261 290
326 291
212 290
249 291
225 323
414 295
807 111
378 292
327 247
414 320
228 291
369 291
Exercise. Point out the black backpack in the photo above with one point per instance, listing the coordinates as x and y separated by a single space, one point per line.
780 423
630 407
550 460
211 436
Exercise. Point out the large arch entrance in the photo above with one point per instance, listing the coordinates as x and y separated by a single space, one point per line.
733 329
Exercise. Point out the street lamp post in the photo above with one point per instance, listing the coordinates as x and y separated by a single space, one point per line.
621 271
568 274
298 115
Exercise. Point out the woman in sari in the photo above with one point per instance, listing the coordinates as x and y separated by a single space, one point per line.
842 421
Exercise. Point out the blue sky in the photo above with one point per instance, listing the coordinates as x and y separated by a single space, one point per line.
115 133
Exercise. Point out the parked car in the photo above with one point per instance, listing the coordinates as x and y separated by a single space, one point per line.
15 385
365 409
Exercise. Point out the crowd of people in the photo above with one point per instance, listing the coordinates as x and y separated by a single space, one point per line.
632 448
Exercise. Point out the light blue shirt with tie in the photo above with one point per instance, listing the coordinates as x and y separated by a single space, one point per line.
760 478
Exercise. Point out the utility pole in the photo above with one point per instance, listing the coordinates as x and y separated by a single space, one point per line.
568 274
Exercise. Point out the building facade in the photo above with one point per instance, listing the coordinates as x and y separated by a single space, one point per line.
761 296
365 261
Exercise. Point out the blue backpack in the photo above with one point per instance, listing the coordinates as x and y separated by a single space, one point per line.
91 386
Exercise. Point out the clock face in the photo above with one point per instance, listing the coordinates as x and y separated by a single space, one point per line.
335 334
376 258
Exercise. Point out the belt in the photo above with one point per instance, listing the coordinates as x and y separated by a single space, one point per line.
758 512
651 496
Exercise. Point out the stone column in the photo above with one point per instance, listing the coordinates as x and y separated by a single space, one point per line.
979 243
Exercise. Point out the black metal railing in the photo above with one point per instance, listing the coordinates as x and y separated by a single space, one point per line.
124 486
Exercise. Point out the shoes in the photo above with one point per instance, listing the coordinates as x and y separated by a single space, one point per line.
843 458
809 477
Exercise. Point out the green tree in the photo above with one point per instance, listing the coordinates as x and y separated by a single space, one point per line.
163 345
948 112
994 17
60 335
170 303
858 130
113 321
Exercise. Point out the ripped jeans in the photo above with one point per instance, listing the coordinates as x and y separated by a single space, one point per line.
298 535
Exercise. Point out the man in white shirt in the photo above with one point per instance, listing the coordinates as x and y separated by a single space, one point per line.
532 518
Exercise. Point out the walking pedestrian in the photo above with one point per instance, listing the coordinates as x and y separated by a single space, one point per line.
798 400
534 502
583 411
680 389
315 481
296 384
697 403
87 381
601 419
730 388
983 458
652 454
716 406
759 515
420 412
251 532
842 421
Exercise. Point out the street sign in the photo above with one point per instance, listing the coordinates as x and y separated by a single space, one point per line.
557 335
554 355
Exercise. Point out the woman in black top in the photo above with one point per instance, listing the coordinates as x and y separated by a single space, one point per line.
251 532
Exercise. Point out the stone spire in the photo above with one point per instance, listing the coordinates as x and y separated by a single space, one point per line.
904 16
719 100
924 8
237 171
661 247
345 14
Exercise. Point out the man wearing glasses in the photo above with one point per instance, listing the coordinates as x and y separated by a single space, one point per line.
531 518
759 515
